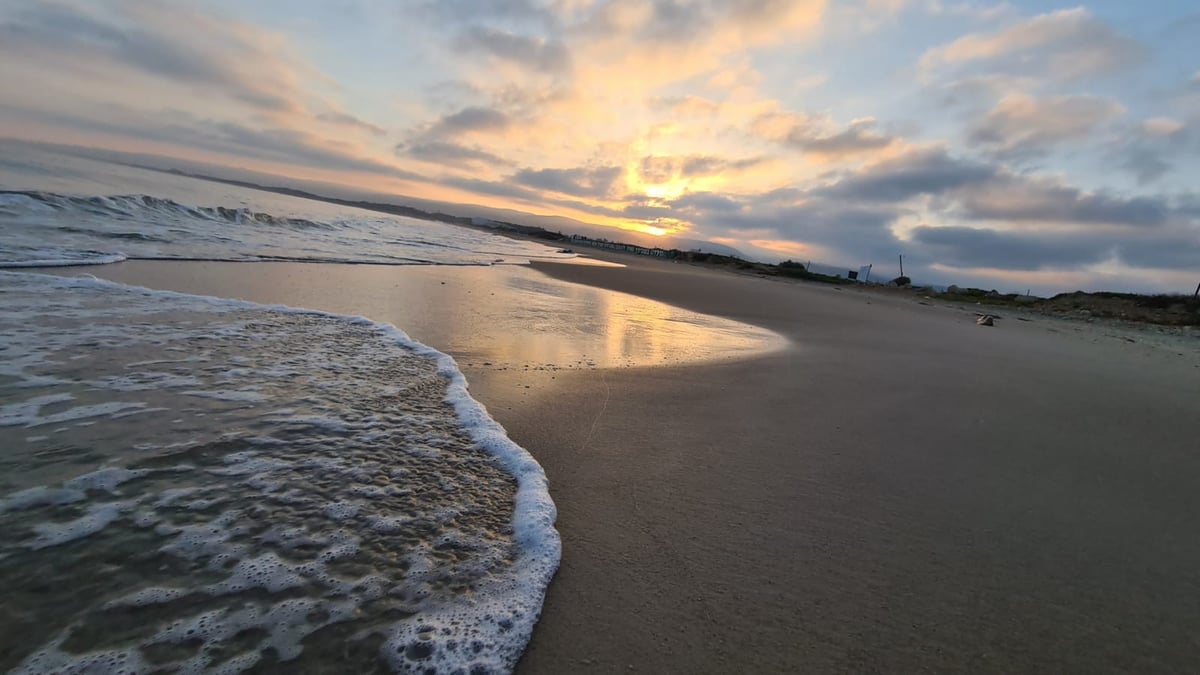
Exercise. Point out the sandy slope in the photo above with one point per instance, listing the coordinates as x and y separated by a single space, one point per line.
902 491
899 491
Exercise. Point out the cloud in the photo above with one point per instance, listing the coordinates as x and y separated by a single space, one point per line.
1021 199
347 120
982 191
927 171
442 141
1147 165
646 211
663 169
1148 148
1022 125
971 10
1178 250
734 24
852 230
474 118
819 136
696 203
1064 45
167 42
280 146
975 214
885 5
441 152
618 48
686 106
967 247
860 136
1161 127
860 17
515 11
1079 229
972 247
592 82
494 188
538 53
595 182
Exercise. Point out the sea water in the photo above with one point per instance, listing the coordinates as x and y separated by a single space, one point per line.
199 484
192 483
57 209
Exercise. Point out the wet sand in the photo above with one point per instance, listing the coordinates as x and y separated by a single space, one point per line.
899 490
902 491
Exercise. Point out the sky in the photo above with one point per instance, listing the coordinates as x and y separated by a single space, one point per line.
1012 145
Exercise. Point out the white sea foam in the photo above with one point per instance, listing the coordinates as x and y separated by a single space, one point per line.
40 496
244 396
106 479
354 502
24 413
97 517
83 412
68 259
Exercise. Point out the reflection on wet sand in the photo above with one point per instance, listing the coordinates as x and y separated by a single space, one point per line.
501 316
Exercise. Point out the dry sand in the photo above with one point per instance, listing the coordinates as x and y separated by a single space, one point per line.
898 491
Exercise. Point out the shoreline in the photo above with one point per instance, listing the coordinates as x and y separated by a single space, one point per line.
899 490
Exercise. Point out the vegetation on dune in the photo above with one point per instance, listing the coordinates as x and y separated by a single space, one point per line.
1162 309
796 270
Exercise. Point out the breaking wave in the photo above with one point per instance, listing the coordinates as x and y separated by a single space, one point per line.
90 230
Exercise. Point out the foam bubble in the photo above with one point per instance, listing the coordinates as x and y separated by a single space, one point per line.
228 395
106 479
25 413
40 496
97 517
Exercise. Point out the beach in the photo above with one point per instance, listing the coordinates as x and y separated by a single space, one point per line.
599 336
897 489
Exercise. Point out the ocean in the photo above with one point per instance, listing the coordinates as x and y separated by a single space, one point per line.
206 483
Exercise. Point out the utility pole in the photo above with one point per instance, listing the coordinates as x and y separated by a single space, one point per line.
902 265
868 279
1197 293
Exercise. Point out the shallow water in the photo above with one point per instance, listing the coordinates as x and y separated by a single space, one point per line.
245 486
504 316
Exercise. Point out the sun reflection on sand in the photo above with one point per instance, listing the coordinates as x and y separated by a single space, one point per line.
500 316
547 322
